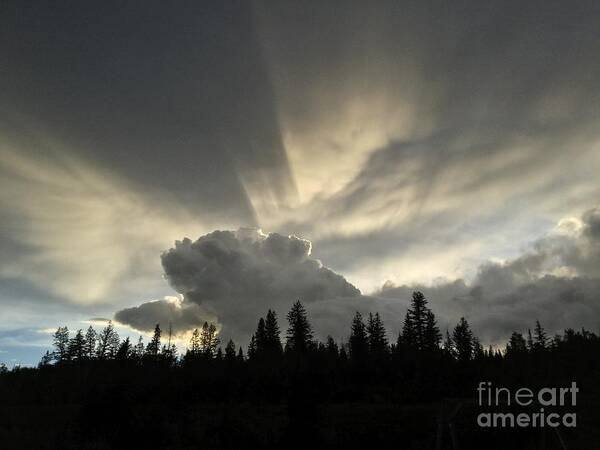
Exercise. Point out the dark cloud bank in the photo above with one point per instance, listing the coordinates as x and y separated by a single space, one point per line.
234 277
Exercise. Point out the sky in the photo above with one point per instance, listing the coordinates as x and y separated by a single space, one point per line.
178 163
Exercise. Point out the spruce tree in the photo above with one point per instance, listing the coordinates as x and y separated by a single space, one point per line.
138 350
61 344
407 338
418 313
516 344
478 351
194 347
108 342
419 330
76 350
449 345
208 340
125 350
153 347
462 338
359 342
541 338
331 347
529 340
90 343
343 354
169 354
273 341
114 344
230 351
378 343
251 348
432 336
299 333
260 337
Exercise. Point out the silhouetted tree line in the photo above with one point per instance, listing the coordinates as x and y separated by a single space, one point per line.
297 371
420 356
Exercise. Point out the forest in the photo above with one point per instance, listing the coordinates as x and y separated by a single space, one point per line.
96 391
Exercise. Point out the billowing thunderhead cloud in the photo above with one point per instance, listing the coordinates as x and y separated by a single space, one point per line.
233 277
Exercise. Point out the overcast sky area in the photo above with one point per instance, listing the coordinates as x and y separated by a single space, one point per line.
343 153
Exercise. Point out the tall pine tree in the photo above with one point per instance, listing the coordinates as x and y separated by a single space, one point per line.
61 344
419 330
153 347
90 343
209 340
272 339
378 344
299 333
541 338
359 342
76 349
462 337
432 336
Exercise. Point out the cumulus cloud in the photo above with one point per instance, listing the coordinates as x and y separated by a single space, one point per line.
233 277
171 311
556 281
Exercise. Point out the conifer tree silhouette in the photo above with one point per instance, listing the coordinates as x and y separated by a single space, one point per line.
541 338
432 336
299 333
530 345
478 352
252 347
343 354
89 347
138 350
76 350
448 346
260 337
407 338
358 343
331 347
194 347
153 347
230 351
108 342
125 350
272 339
377 338
208 340
419 330
61 344
516 344
462 337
